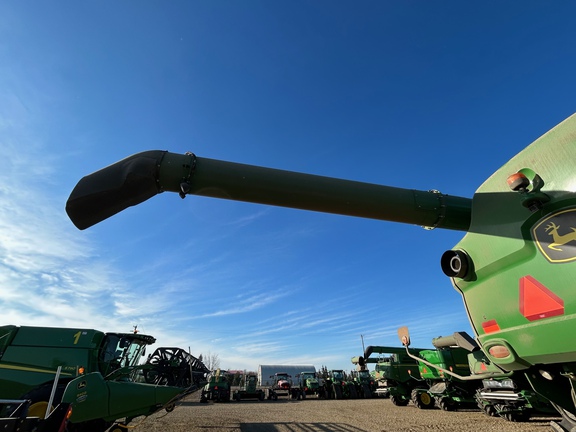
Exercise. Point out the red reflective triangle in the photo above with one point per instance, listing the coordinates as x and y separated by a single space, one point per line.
537 301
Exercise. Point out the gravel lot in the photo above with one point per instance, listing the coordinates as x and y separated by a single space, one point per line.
311 415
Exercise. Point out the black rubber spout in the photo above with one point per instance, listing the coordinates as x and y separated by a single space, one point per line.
110 190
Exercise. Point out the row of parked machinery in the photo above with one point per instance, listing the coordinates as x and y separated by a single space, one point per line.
454 374
333 384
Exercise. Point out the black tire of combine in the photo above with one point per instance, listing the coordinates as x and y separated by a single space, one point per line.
398 400
446 404
422 399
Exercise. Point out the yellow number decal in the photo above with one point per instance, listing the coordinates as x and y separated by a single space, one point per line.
77 337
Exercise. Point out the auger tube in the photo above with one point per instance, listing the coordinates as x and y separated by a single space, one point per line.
455 375
139 177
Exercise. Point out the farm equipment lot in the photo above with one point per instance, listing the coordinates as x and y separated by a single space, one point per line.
358 415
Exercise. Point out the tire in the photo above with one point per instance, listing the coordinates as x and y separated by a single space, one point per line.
337 392
39 398
352 391
519 417
446 404
422 399
366 391
398 401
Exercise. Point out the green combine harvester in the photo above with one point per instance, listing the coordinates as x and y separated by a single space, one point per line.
448 391
513 267
398 373
97 373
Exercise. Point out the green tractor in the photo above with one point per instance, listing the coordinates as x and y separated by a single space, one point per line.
249 389
217 389
337 386
97 373
513 267
308 384
365 383
398 374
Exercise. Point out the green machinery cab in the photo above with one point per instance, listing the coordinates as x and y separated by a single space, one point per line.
514 266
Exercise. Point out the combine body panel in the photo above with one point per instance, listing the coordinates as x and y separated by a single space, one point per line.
513 268
95 372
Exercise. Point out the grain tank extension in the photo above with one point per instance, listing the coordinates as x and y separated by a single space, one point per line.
514 267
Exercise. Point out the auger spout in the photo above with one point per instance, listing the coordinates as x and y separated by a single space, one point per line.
139 177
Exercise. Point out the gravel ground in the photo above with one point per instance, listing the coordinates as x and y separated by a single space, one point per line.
311 415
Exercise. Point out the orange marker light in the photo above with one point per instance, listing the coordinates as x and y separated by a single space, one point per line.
499 351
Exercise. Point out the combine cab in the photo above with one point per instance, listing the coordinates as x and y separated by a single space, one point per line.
249 389
513 267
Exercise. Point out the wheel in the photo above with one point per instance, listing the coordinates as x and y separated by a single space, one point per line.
170 407
97 425
422 399
260 396
352 391
398 400
521 416
39 398
366 391
446 404
337 392
568 422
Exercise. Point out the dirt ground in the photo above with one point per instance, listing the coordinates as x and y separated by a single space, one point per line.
318 415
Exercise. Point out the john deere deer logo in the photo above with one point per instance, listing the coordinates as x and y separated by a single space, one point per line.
559 240
555 236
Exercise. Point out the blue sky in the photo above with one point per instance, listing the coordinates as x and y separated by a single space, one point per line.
413 94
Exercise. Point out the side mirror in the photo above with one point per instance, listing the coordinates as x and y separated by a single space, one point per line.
404 336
